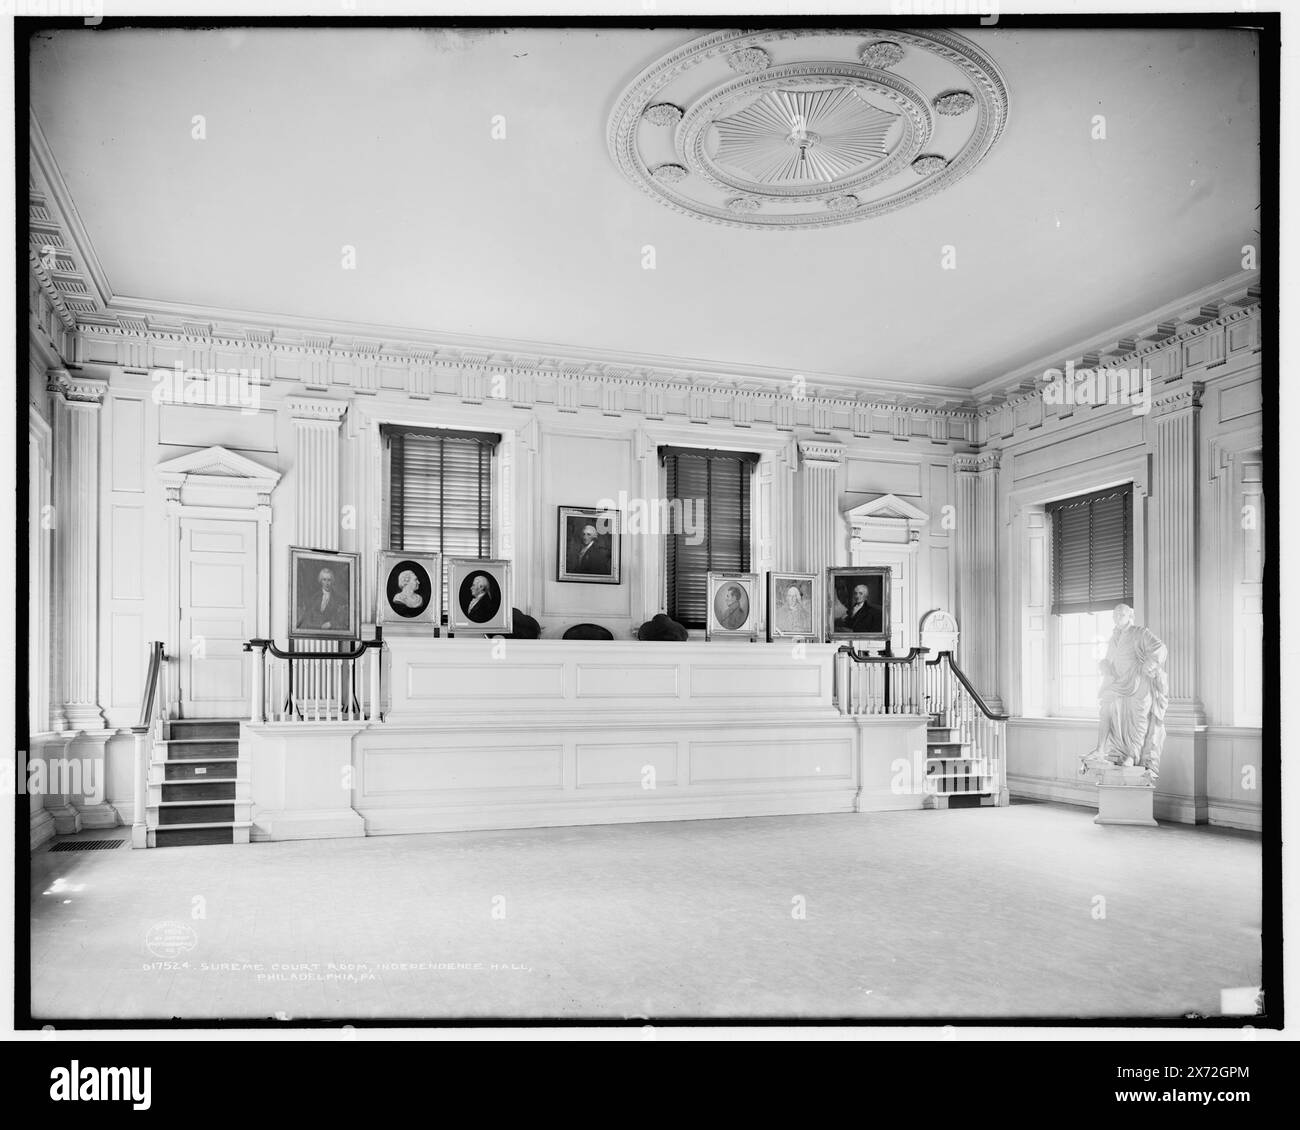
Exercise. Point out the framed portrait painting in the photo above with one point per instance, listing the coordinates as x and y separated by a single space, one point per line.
479 594
323 594
734 603
794 606
410 590
588 544
857 603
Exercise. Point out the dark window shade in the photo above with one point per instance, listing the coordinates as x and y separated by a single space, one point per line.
1092 551
440 493
715 485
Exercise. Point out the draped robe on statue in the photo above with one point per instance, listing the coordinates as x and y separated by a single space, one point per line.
1134 695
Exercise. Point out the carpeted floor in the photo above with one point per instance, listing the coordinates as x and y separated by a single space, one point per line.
1027 911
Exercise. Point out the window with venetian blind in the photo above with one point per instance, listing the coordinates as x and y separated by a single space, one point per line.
440 492
1092 571
1092 551
713 488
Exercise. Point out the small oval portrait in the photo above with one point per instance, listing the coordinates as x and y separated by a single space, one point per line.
479 596
731 606
409 588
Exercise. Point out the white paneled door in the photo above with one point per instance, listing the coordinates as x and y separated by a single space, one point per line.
218 612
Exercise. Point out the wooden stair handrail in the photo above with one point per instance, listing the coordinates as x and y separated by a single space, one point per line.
149 699
975 695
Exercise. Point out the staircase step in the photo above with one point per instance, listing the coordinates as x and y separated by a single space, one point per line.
195 812
179 837
186 749
200 768
203 728
199 790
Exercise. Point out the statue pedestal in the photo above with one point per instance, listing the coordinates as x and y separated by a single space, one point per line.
1125 796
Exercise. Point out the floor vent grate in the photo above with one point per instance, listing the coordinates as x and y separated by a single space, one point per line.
87 845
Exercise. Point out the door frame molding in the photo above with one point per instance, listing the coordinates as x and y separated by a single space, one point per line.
887 531
219 484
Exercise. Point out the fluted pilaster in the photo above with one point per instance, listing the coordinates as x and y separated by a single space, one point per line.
77 401
1173 537
976 481
819 470
316 471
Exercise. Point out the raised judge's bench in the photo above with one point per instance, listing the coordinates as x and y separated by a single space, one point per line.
485 733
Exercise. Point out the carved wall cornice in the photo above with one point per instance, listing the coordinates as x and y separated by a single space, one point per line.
59 251
1209 311
975 461
832 392
77 389
817 453
310 409
1189 396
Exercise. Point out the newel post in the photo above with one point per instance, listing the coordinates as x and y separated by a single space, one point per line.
376 666
257 684
139 827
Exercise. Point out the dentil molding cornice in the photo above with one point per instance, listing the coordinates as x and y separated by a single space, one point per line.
819 454
1207 311
974 462
78 389
1186 398
318 411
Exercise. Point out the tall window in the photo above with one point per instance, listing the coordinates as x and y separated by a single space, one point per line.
708 495
440 492
1092 571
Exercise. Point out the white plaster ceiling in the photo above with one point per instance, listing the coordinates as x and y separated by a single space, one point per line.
382 139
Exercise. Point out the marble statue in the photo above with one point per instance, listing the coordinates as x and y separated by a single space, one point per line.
1133 697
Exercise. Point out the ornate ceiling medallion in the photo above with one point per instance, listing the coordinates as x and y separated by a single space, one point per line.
794 128
799 135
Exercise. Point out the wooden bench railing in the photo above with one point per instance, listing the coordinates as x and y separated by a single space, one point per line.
880 684
328 682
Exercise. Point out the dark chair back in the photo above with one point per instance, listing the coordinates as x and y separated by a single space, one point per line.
587 632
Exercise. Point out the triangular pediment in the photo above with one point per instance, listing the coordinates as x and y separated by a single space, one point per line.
217 462
887 506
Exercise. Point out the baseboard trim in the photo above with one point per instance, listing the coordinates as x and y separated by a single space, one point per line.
569 813
1171 808
41 829
1231 814
327 824
1045 788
